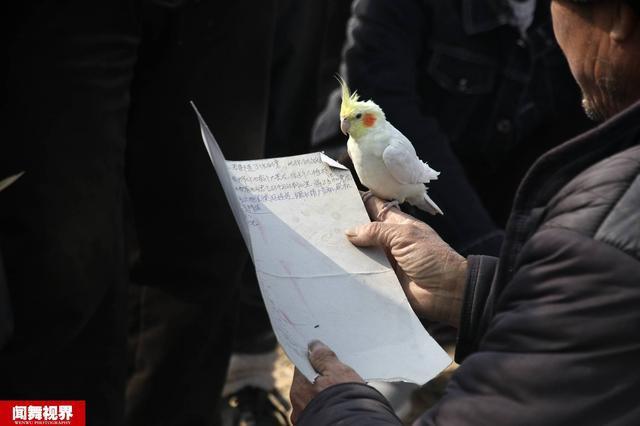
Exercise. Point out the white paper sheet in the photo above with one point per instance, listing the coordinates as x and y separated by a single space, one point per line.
293 212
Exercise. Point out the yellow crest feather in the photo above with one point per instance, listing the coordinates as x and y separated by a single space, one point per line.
348 99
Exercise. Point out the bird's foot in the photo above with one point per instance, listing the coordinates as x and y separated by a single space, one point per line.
386 206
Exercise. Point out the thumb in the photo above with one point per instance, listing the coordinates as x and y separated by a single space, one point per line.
373 234
321 356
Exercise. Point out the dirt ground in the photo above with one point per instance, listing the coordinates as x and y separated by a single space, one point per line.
283 373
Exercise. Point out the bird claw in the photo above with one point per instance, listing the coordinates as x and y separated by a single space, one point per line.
386 206
366 196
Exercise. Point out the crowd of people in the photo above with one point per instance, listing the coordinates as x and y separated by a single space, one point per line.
124 281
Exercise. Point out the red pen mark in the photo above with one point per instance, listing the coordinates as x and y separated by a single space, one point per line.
286 317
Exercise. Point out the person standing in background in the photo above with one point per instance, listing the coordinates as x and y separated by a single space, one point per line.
481 89
96 98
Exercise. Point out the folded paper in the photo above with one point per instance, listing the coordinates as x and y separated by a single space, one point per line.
292 212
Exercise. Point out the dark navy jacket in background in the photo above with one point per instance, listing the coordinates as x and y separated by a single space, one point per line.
479 102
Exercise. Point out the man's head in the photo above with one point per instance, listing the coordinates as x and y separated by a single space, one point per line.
601 40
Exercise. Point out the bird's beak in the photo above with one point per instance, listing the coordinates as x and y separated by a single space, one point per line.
344 126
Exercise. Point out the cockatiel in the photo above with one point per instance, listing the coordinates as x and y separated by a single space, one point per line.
384 158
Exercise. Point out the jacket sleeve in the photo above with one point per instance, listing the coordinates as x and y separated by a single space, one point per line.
349 404
386 39
562 344
473 318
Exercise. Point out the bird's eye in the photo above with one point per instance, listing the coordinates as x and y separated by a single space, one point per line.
358 116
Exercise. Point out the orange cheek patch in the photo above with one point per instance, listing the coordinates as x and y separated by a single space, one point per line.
369 120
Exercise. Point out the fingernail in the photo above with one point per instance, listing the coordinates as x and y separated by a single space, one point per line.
351 232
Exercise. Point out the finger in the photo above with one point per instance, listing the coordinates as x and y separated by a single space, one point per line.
373 234
375 205
404 279
322 358
299 382
300 394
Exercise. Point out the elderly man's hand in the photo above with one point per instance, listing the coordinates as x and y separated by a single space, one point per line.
331 372
432 274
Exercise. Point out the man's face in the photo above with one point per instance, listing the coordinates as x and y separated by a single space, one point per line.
598 62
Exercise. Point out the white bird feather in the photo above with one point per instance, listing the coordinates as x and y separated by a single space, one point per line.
385 160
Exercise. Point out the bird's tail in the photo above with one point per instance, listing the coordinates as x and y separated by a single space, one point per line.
425 203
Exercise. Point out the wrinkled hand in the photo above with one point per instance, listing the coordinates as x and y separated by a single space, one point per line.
331 372
432 274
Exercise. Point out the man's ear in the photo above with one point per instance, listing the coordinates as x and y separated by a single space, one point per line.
625 22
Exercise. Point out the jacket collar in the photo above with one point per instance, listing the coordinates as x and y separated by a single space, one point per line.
553 171
556 166
484 15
